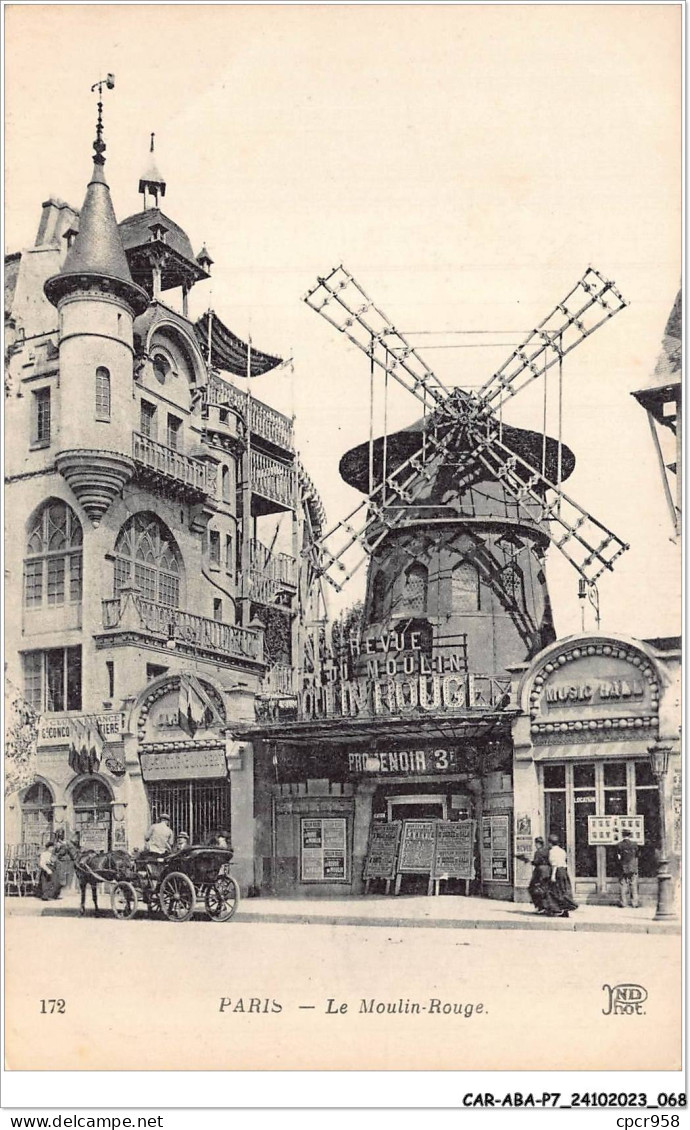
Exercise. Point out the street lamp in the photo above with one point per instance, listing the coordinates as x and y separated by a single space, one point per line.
658 757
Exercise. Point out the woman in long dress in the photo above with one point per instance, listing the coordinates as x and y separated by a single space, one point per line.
541 874
558 901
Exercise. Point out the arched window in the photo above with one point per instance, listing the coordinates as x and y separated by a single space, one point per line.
146 556
378 596
53 557
465 588
37 814
102 394
416 588
225 478
92 815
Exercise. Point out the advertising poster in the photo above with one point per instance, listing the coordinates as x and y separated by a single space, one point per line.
382 852
496 848
417 847
324 849
454 850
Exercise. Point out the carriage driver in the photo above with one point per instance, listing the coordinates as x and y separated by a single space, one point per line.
159 838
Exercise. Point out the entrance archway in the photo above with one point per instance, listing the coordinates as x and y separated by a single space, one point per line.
92 803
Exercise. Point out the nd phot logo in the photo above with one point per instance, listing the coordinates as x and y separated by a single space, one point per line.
624 1000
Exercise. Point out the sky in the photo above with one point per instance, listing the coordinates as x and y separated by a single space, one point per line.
465 162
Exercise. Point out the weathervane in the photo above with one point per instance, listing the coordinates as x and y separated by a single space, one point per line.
99 144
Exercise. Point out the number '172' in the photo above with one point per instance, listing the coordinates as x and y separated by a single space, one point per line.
48 1007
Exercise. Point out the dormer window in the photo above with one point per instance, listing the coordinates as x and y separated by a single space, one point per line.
158 232
70 236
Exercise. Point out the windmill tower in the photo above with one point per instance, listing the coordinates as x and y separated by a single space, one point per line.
460 508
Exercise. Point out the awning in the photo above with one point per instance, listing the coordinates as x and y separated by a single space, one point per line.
228 352
587 751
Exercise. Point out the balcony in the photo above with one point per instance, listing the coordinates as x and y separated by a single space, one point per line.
270 574
264 422
279 681
185 476
130 612
273 484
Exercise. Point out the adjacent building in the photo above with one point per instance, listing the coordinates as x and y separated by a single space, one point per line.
155 593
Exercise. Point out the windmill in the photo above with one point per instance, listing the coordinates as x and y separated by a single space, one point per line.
463 435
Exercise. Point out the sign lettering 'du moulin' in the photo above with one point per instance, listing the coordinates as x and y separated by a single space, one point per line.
396 673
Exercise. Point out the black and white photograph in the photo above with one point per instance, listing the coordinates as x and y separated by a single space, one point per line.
342 544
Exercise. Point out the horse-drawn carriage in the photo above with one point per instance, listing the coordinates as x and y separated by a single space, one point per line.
170 886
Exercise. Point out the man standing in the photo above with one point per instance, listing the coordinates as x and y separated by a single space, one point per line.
159 838
626 853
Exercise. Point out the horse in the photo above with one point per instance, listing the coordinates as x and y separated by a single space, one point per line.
94 867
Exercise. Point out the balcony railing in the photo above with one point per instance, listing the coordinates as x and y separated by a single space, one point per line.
174 466
270 573
279 680
273 480
263 421
131 612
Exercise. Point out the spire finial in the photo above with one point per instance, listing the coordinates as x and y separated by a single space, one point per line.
99 144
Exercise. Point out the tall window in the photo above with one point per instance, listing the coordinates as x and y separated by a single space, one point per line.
512 583
102 394
52 679
214 548
92 815
147 422
53 557
146 556
465 588
40 421
174 432
229 555
225 479
37 814
416 588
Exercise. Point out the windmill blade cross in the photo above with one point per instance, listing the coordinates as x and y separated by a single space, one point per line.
342 302
589 546
591 302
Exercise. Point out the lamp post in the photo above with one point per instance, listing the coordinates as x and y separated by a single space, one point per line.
658 756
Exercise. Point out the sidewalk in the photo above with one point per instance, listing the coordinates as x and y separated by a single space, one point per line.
445 911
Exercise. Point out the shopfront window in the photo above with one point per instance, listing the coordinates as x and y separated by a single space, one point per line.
585 805
647 805
92 816
573 792
37 815
199 808
555 802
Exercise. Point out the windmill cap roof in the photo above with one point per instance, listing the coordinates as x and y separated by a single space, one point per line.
354 465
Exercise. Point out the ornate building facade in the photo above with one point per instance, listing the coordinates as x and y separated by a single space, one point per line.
156 513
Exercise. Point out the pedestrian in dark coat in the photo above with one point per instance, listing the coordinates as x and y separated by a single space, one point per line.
626 853
541 874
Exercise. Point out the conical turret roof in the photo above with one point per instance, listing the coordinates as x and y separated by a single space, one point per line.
97 251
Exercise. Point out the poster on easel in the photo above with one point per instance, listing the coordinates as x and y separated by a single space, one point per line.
417 847
454 850
382 852
495 844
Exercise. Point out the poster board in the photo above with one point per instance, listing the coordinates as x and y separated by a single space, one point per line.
609 829
454 850
495 848
382 851
324 856
417 847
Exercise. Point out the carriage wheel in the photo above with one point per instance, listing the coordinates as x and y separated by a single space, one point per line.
177 896
222 898
124 900
154 906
